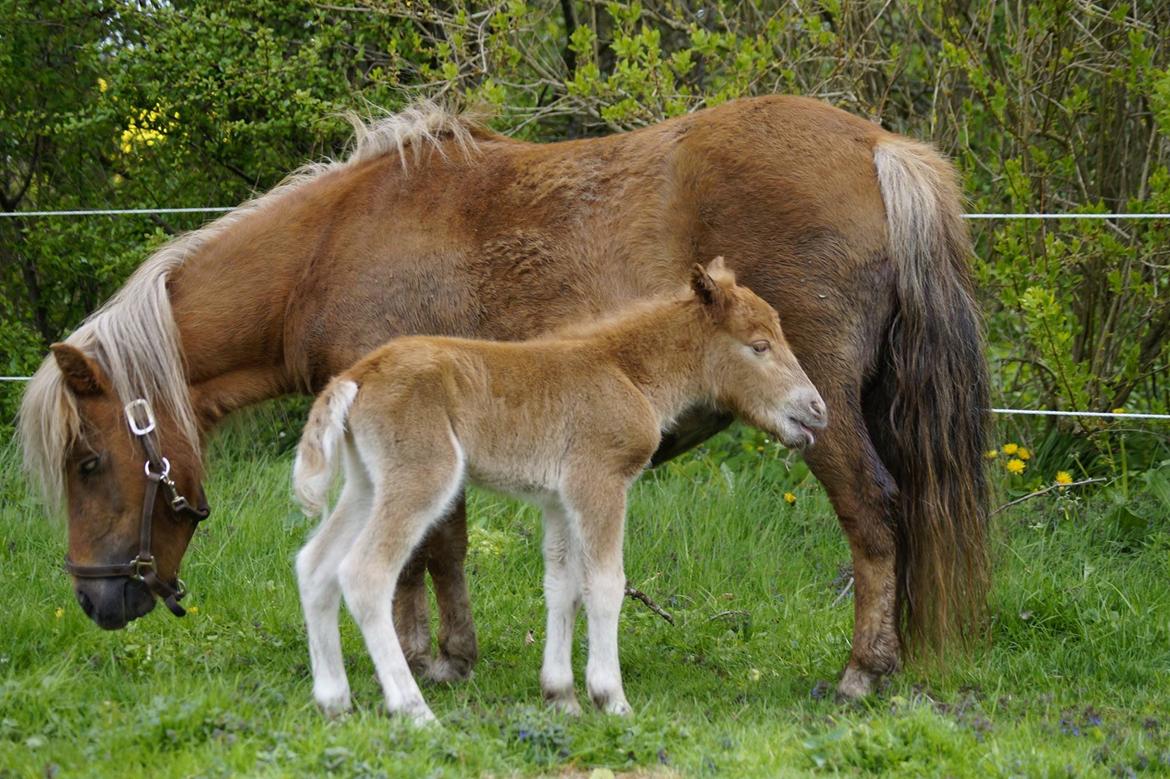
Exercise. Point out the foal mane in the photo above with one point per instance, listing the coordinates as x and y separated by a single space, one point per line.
133 336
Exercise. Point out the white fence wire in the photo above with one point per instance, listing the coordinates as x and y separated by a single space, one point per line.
1003 411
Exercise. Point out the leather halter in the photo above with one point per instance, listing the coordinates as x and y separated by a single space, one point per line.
143 567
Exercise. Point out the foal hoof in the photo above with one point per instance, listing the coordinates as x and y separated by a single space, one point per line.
334 706
419 714
612 703
564 701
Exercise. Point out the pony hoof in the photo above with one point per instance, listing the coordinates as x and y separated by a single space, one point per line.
419 714
445 671
612 703
855 684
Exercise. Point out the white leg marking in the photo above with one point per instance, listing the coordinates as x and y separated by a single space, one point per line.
604 589
562 594
371 568
317 565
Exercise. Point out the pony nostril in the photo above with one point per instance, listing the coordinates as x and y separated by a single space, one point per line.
85 603
817 407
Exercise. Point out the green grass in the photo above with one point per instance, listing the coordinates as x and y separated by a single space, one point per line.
1075 679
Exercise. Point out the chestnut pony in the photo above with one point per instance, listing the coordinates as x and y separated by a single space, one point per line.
435 225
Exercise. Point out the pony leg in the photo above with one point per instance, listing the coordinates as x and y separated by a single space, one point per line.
411 614
862 493
317 565
408 500
599 512
563 581
446 549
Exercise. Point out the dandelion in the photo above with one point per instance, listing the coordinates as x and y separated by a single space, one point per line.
1024 454
1063 478
1016 465
789 498
1011 449
192 609
991 454
59 613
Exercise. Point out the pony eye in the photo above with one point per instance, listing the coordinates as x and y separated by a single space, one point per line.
759 347
89 465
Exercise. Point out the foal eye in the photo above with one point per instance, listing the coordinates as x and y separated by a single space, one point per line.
759 347
89 465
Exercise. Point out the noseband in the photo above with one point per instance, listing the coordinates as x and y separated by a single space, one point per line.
158 468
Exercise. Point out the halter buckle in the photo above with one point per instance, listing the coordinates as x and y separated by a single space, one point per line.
141 566
140 417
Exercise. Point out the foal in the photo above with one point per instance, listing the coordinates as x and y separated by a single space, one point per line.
566 422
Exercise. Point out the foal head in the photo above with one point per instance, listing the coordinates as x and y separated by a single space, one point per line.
751 371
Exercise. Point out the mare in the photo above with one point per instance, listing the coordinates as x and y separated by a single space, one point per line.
566 422
435 225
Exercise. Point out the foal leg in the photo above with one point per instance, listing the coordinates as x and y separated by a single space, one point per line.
563 580
862 492
317 565
599 512
446 554
409 497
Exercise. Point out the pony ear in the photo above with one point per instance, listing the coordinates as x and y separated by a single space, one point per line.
717 269
710 293
82 374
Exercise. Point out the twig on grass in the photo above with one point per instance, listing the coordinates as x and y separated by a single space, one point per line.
1047 489
650 604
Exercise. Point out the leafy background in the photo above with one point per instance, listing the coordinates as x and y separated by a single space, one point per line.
1050 106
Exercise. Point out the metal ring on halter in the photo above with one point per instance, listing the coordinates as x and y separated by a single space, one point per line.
166 469
132 408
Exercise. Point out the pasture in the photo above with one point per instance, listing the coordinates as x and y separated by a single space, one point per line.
1073 680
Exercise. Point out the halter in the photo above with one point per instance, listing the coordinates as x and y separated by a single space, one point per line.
158 468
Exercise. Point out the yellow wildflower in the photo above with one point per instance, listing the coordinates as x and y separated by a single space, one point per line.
1024 454
1063 478
1016 465
991 454
59 613
102 85
789 498
192 609
1119 410
1011 448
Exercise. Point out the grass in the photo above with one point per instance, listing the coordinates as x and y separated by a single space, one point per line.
1075 679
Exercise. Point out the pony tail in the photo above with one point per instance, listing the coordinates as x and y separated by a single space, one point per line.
316 462
934 389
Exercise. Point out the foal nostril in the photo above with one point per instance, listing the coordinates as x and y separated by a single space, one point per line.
817 407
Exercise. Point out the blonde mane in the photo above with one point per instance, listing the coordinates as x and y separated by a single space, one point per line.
134 338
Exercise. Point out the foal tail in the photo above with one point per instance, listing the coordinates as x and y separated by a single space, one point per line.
929 418
316 461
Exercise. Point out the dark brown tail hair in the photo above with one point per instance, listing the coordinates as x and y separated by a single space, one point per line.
933 395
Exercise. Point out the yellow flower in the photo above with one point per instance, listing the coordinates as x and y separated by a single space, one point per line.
1024 454
1119 410
991 454
59 613
1016 465
102 85
789 498
1011 448
1063 478
192 609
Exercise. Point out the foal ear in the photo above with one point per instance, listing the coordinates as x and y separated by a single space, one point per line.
81 373
717 269
709 292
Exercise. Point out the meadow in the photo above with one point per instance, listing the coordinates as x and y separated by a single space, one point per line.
1073 678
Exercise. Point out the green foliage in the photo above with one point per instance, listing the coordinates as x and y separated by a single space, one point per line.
1075 679
1045 106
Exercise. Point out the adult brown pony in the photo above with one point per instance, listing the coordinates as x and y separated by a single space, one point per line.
435 225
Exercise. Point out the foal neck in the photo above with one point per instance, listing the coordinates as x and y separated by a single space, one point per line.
662 350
